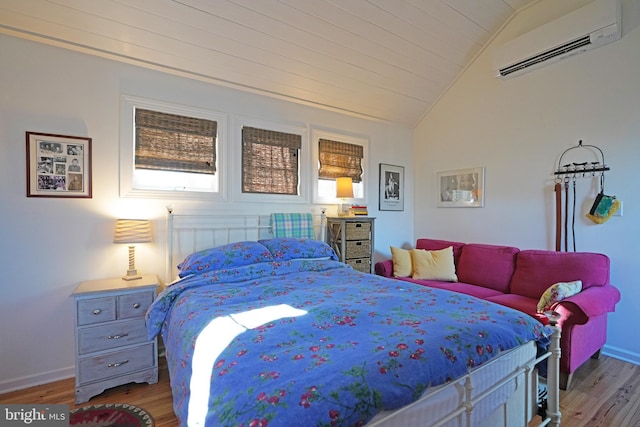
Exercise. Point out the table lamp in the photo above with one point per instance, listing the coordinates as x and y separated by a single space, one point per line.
344 190
132 231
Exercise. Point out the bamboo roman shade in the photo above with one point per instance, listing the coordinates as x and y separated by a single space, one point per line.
340 159
171 142
270 161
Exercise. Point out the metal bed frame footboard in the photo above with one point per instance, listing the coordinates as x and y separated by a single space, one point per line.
462 416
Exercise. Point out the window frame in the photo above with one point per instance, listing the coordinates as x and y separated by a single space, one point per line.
316 136
303 161
128 104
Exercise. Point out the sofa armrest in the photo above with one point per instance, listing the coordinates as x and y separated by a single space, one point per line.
384 268
595 300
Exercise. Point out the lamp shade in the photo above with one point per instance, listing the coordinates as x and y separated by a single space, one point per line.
344 187
132 231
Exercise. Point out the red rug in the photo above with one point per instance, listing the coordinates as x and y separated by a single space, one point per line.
110 415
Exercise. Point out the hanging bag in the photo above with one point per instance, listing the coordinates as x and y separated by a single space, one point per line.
603 206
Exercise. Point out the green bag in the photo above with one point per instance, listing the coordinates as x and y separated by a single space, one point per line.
603 208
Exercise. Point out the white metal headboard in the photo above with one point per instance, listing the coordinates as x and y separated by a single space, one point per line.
187 233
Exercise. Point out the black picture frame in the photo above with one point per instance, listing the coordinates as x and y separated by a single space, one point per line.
391 188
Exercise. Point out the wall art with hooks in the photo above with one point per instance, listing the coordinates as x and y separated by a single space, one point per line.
581 168
603 207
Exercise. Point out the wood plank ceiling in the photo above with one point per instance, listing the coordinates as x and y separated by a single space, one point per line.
382 59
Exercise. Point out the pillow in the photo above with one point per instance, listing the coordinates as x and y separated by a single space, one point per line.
434 265
557 292
287 248
230 255
402 266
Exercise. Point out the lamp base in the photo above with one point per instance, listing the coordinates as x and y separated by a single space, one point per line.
132 275
344 210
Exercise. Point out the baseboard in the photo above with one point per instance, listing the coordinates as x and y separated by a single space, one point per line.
37 379
624 355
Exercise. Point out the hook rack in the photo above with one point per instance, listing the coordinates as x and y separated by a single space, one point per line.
581 168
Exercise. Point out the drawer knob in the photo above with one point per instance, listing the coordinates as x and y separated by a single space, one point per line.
115 365
136 305
117 337
97 311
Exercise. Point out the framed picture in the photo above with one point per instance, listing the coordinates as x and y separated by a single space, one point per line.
58 166
463 188
391 188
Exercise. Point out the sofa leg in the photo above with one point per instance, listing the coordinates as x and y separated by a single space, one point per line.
596 355
565 380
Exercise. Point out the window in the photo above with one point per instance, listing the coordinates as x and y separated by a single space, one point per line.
337 156
339 159
169 142
169 150
270 161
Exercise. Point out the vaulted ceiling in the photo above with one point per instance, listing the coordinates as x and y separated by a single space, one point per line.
382 59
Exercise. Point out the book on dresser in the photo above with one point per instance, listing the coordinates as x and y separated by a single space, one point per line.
111 344
359 210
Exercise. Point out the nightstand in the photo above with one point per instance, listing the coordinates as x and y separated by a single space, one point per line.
110 334
352 240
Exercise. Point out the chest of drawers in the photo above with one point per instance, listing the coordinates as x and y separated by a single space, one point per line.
352 239
110 335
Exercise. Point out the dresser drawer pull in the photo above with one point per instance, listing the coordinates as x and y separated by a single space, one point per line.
116 337
115 365
97 311
136 305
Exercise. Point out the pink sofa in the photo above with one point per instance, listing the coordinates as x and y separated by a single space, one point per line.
517 278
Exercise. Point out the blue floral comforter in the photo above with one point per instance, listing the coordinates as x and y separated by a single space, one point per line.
294 337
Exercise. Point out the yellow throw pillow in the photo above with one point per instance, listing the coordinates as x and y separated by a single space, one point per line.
558 292
401 262
434 265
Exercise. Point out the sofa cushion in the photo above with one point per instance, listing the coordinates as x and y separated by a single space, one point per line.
433 265
402 265
490 266
518 302
434 245
464 288
536 270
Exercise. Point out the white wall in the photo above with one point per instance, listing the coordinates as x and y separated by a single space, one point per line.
518 129
48 246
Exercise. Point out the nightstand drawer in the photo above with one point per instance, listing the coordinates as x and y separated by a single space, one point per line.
111 335
96 310
134 305
362 264
358 249
358 230
116 363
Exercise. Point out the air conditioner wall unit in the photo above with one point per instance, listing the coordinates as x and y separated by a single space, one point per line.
594 25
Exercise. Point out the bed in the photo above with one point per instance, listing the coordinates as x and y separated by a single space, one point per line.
276 332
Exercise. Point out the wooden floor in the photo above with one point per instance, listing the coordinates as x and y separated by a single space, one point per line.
605 392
